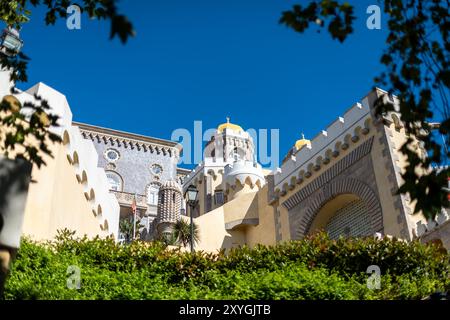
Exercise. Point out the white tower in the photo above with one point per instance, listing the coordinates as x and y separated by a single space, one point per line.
229 168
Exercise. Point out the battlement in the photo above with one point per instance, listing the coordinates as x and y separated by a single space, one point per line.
348 128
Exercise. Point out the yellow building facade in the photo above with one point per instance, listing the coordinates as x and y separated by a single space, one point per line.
343 181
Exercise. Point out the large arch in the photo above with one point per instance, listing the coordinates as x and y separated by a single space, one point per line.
334 189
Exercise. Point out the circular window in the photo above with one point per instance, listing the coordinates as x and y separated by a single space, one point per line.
156 169
112 155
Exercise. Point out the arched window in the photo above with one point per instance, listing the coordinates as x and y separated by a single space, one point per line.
235 154
173 197
152 194
115 181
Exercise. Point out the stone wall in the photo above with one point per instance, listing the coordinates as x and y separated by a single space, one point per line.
134 164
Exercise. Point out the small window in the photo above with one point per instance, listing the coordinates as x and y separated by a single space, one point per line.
218 197
173 197
152 195
156 169
112 155
235 154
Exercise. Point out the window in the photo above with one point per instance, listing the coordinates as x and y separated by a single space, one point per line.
112 155
152 195
115 181
218 197
156 169
235 154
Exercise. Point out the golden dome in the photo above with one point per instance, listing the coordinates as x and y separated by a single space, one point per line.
229 125
302 142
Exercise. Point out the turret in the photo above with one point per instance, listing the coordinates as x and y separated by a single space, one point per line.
243 176
169 208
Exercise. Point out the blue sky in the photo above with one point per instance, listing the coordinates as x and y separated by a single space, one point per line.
205 60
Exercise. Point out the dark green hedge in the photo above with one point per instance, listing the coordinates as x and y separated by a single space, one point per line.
313 268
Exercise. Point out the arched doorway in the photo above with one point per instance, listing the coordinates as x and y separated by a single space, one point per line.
343 207
345 215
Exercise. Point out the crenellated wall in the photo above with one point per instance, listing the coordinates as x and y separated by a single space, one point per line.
325 146
70 191
437 229
357 154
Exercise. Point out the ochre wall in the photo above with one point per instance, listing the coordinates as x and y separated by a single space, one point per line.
56 201
264 232
214 236
398 219
212 233
385 187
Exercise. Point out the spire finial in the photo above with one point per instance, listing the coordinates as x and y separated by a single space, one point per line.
303 136
228 119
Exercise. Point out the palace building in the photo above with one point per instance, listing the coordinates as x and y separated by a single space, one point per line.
343 180
136 167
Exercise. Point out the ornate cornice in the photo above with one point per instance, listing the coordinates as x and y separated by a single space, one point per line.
128 140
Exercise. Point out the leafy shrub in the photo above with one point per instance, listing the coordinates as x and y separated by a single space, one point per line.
313 268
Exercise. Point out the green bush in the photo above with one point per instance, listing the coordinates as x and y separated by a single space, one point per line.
313 268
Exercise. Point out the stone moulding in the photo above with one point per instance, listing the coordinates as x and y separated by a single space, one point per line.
343 186
240 222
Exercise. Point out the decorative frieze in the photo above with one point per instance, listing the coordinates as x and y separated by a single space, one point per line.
328 175
129 143
127 198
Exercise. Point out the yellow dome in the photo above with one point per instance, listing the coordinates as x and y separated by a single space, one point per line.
302 142
229 125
